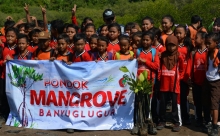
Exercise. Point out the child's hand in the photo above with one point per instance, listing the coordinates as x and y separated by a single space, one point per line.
131 58
26 8
43 10
8 58
141 60
36 58
74 10
69 63
96 60
52 58
9 18
4 62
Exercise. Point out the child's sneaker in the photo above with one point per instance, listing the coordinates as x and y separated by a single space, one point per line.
176 128
161 125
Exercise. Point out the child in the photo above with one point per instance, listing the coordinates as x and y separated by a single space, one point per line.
127 28
33 36
148 60
79 54
136 41
103 54
93 46
56 30
23 52
63 52
147 23
86 20
198 77
71 30
44 52
167 24
157 45
103 30
21 28
213 77
170 73
114 33
184 49
89 31
124 53
134 28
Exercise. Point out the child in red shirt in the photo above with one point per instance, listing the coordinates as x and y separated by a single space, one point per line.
114 33
63 53
184 49
170 73
103 30
23 52
89 31
44 52
198 77
93 46
33 35
136 41
79 54
71 30
124 53
167 24
103 54
157 45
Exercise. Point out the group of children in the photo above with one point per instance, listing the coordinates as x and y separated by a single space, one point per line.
178 58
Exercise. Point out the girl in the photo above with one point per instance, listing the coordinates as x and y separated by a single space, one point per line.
33 35
114 33
198 77
103 54
185 46
103 30
86 20
127 28
148 60
79 54
136 40
71 30
134 28
89 31
213 77
63 52
124 53
157 45
167 24
170 73
93 46
147 23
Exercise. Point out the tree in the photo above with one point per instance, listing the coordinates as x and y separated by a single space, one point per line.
23 78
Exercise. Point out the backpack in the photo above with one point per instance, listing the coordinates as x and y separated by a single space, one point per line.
117 55
16 56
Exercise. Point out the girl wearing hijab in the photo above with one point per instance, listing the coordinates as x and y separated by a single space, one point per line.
170 73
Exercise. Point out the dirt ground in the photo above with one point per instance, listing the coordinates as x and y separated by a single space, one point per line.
189 130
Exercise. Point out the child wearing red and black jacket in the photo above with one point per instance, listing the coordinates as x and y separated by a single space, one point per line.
170 74
79 54
198 78
185 47
23 52
33 35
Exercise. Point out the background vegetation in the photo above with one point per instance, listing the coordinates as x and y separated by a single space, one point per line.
125 10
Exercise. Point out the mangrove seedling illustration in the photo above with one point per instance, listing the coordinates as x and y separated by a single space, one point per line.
23 78
142 88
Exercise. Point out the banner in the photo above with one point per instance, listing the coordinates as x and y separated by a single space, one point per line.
54 95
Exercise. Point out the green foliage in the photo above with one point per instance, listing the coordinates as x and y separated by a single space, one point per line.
140 84
125 10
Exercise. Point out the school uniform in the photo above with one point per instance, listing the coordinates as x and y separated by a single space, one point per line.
193 32
184 87
87 47
64 57
160 48
199 62
32 48
119 56
27 56
109 56
164 37
83 56
44 55
71 48
113 47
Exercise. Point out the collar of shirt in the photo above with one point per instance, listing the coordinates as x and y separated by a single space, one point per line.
113 43
22 57
13 47
101 57
147 51
80 54
202 51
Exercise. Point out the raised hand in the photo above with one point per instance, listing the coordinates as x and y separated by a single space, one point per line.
33 18
26 8
43 9
9 18
74 10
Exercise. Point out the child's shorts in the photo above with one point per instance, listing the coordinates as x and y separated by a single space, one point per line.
214 87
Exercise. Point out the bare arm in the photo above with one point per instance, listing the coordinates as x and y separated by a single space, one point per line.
44 18
27 13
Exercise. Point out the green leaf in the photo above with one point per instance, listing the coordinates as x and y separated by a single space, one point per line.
141 77
124 69
133 75
145 74
136 91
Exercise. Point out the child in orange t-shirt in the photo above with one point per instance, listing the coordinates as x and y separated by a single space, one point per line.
63 53
113 34
89 31
124 53
23 52
71 30
44 51
167 24
102 53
